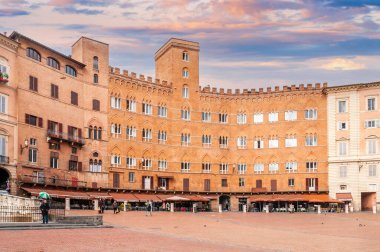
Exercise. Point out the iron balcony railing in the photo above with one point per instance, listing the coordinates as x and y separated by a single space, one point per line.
53 181
4 160
65 137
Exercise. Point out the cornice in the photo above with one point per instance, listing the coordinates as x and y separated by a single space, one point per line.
9 43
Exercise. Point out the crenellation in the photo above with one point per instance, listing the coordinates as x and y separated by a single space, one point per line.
214 90
301 87
149 79
276 88
125 73
229 91
133 75
164 83
269 90
245 91
293 87
285 88
317 85
261 90
221 90
309 86
117 70
237 91
325 85
142 77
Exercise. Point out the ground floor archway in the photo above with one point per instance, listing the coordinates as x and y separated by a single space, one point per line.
225 201
4 179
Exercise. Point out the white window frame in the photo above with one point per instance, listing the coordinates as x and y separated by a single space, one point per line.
206 116
223 168
291 141
291 115
311 140
185 56
115 102
162 111
185 73
147 109
147 135
131 162
3 104
273 143
342 171
185 139
241 119
258 118
273 117
342 148
115 160
223 118
242 142
131 133
311 114
185 114
258 168
206 167
371 146
342 106
185 92
273 168
242 168
131 105
258 143
311 166
206 140
241 182
343 125
185 167
371 107
291 166
372 170
162 164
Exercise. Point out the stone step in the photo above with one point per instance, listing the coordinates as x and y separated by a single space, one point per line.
31 226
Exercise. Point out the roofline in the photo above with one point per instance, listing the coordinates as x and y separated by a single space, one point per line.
90 39
351 86
16 34
190 44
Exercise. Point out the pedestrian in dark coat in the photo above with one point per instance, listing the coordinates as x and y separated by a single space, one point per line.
45 211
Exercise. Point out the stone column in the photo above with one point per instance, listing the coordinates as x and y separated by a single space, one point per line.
319 209
374 209
172 207
266 208
220 208
67 204
244 208
96 205
346 208
125 206
194 207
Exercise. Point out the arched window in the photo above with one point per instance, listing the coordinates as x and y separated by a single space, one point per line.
70 70
96 79
100 133
90 132
91 164
32 53
53 63
95 63
185 73
185 91
95 133
185 56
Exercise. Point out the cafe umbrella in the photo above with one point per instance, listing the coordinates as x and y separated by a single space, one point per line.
44 195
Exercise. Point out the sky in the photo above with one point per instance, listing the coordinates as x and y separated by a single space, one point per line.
244 44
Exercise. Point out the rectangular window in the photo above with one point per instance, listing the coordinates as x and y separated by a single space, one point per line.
224 183
311 166
223 118
291 115
223 142
241 119
342 126
371 104
74 98
3 104
54 160
162 165
273 117
258 168
185 115
372 170
291 182
242 142
33 120
343 148
342 106
95 105
258 118
32 157
291 141
311 140
185 167
147 135
162 111
372 123
131 162
273 168
206 116
131 105
186 184
206 167
185 92
273 142
206 140
131 177
115 160
258 143
115 102
207 185
162 137
371 146
242 168
33 83
54 91
291 166
223 168
146 164
147 109
131 133
343 187
185 139
241 182
343 171
311 114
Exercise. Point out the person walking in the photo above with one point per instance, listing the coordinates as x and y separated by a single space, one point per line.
149 209
45 211
114 206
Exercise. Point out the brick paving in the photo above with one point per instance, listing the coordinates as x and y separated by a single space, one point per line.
133 231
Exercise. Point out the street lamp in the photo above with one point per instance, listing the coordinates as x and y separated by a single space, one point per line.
25 145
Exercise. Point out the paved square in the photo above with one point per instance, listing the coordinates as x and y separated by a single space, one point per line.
208 232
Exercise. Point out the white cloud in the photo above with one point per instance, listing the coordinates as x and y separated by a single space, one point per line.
341 64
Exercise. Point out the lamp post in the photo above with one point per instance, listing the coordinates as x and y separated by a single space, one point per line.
25 145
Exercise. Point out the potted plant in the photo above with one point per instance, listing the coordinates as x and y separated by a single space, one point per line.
3 77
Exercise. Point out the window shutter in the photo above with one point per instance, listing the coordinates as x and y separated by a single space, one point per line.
40 122
151 182
27 118
60 126
259 183
80 133
142 182
185 184
316 184
30 82
307 184
80 166
52 90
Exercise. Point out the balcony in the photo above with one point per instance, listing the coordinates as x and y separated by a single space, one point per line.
53 181
4 160
3 78
64 137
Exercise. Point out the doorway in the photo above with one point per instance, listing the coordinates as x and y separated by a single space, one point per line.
224 200
368 200
4 179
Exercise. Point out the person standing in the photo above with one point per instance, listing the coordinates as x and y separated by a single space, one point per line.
149 209
114 207
45 211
